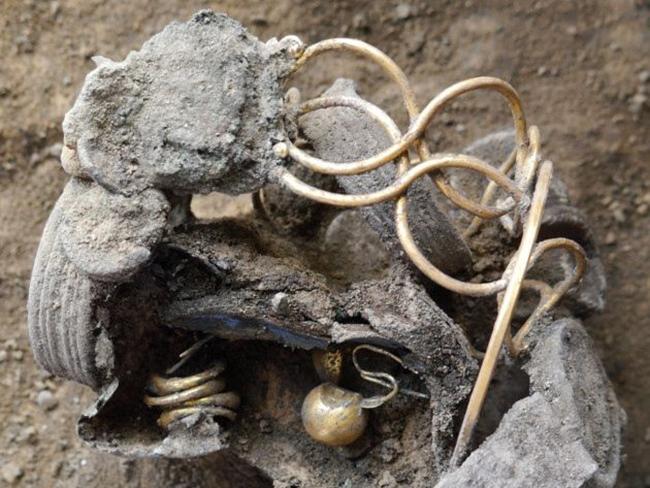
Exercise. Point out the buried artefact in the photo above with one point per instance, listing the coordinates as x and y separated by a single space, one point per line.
126 278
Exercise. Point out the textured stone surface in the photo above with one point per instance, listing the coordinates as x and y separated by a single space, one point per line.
196 109
566 433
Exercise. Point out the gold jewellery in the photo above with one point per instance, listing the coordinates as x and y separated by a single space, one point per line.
182 396
524 177
336 416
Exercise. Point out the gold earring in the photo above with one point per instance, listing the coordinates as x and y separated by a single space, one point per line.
335 416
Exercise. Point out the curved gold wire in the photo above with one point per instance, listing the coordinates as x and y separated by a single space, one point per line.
419 120
524 179
526 162
506 310
180 396
533 158
401 184
379 378
543 290
488 193
369 52
162 385
557 291
417 128
423 264
403 230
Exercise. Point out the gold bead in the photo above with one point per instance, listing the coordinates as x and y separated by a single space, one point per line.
328 364
333 415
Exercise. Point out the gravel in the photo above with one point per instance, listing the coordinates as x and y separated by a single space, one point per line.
46 400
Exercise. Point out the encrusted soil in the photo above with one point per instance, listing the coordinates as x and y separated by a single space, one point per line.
580 67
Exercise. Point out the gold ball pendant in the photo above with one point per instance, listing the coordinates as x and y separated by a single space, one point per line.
333 415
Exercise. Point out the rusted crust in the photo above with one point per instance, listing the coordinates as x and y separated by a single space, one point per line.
198 108
232 296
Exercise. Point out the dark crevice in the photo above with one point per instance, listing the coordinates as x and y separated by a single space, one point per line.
509 385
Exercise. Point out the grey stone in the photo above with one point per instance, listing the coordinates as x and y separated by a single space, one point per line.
565 369
530 449
359 251
638 102
280 303
566 433
11 472
197 109
28 434
403 11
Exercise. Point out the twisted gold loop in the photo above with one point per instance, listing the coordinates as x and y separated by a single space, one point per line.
420 120
181 396
408 175
527 212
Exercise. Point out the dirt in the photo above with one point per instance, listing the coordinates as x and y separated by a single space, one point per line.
581 68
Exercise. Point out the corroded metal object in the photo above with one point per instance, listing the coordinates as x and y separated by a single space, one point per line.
123 264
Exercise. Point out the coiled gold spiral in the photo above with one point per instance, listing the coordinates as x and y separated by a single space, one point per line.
179 397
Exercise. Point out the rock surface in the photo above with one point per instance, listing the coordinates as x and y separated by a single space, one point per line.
566 433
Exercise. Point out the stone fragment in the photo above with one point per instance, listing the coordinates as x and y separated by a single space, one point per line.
566 433
11 472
